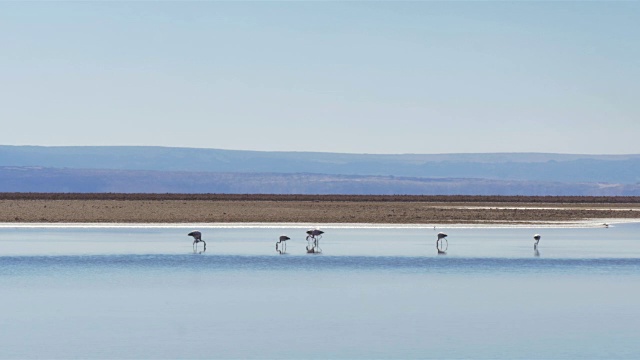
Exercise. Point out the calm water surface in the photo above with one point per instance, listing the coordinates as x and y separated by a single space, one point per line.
373 293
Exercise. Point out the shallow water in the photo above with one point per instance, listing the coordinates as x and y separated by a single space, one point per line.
373 293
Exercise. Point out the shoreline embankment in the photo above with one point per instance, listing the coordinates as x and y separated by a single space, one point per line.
308 209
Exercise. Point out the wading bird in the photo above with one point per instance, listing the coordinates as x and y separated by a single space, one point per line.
197 237
442 244
313 239
536 237
282 249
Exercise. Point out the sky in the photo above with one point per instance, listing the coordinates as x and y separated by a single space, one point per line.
352 77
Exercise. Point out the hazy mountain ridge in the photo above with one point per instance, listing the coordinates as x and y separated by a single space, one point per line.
191 170
39 179
545 167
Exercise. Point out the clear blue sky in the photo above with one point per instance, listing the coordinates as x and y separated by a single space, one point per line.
357 77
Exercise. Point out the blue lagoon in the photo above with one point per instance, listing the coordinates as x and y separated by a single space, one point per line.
375 292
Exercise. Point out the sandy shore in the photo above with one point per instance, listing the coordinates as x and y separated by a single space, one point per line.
136 208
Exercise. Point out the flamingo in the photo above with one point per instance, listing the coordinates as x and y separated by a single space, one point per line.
313 237
315 232
442 244
283 244
197 237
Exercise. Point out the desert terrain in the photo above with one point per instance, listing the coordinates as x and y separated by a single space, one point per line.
224 208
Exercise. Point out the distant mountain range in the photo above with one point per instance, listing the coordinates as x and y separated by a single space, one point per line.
191 170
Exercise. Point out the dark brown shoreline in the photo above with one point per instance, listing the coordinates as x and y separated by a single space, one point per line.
342 198
225 208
